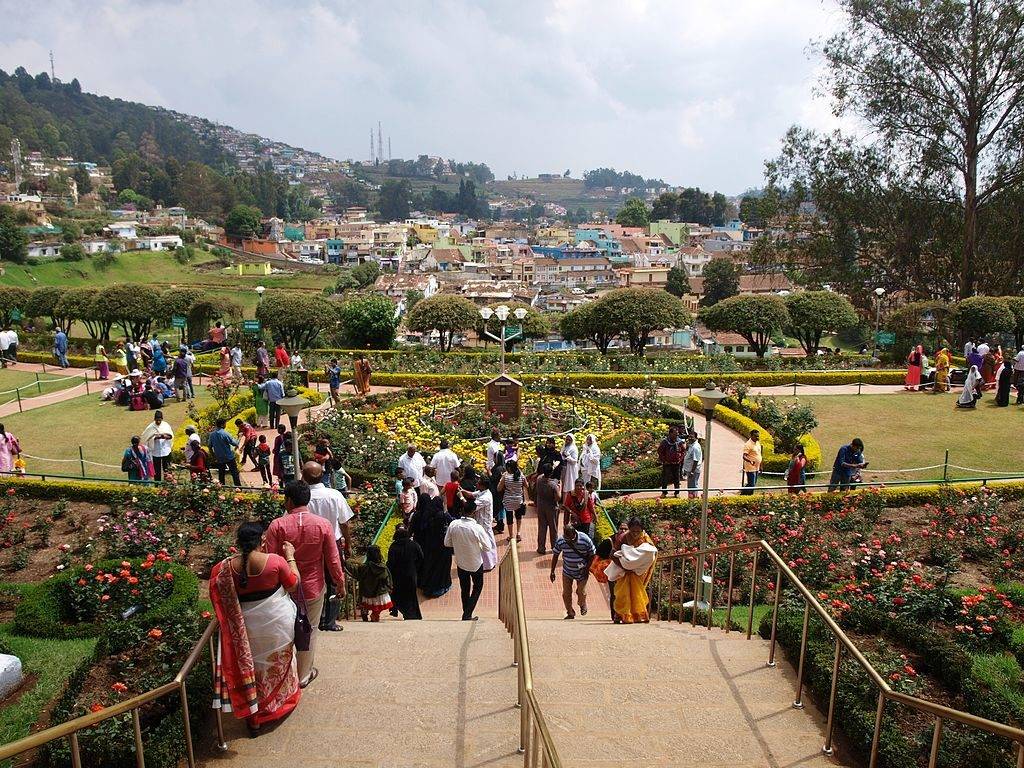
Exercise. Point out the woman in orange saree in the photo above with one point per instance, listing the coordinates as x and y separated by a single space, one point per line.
635 558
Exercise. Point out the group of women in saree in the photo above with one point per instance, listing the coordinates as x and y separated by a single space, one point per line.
984 361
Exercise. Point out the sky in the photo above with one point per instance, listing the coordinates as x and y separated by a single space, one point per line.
695 92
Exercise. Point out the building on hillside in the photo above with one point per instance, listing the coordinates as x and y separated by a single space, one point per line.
726 343
40 251
126 230
246 269
693 260
676 231
599 239
756 284
158 243
643 277
313 250
395 286
97 245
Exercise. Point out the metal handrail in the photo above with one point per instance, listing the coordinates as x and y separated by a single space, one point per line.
71 728
535 742
940 712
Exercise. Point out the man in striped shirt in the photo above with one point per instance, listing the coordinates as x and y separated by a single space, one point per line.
577 550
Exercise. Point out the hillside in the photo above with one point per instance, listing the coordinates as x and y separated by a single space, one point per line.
59 119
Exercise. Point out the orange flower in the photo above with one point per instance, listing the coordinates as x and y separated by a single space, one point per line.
155 633
95 707
119 688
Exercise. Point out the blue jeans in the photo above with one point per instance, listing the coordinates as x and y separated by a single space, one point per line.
693 482
62 358
749 481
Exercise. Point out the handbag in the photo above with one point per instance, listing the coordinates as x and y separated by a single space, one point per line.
303 629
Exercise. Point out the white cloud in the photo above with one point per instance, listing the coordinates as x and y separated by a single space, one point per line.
688 90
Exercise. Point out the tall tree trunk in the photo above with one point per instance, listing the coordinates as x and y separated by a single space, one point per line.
968 276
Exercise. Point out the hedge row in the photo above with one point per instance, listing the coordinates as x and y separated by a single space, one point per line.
901 496
771 461
39 613
83 490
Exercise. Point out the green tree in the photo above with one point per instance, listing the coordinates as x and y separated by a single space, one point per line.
678 282
721 280
13 242
82 180
347 193
1016 306
982 316
755 318
584 323
366 274
393 200
812 313
134 307
243 222
43 303
11 299
634 313
72 252
298 319
80 304
368 322
446 314
412 298
942 85
633 214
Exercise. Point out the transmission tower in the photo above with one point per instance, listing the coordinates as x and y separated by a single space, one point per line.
371 145
53 74
16 162
380 143
389 149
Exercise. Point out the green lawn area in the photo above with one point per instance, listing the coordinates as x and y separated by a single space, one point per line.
102 429
914 430
50 662
162 270
12 378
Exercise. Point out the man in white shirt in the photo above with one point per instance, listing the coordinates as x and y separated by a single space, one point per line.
984 349
159 437
332 506
494 447
969 347
191 442
469 541
693 464
12 345
412 463
1018 375
444 461
5 342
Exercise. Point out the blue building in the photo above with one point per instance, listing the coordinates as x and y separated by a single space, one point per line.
565 251
609 246
335 251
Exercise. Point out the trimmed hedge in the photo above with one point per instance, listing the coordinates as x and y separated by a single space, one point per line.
38 614
85 490
904 496
771 461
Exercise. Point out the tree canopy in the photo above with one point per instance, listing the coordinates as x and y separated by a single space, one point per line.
981 316
584 323
133 306
812 313
633 214
295 318
12 298
13 242
721 280
634 313
368 322
446 314
243 222
755 318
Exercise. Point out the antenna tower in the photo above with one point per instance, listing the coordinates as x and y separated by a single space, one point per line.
371 145
16 162
389 149
380 143
53 74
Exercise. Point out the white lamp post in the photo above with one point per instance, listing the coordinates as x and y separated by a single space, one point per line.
879 293
502 312
259 292
709 398
292 407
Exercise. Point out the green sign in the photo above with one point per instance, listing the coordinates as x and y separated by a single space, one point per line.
251 326
886 337
513 330
15 315
177 322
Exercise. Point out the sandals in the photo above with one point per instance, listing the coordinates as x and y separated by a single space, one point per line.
314 673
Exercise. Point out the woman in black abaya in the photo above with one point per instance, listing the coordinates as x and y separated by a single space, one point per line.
1003 389
405 558
428 525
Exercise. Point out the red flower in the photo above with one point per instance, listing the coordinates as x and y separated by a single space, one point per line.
155 633
119 688
95 707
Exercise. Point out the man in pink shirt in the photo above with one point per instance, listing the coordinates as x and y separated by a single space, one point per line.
315 545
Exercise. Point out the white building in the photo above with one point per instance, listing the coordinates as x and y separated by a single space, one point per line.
158 243
126 230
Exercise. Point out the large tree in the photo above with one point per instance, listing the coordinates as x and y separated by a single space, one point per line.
446 314
635 313
368 322
812 313
755 318
584 323
297 319
243 222
134 307
678 283
721 280
980 317
942 85
13 242
393 200
11 299
43 303
633 214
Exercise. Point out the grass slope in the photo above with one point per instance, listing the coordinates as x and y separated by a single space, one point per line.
12 378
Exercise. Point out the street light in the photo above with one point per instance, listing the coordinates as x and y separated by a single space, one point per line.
292 407
879 293
259 292
502 313
710 396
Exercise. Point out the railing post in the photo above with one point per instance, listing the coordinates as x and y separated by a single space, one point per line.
189 752
221 744
830 725
945 467
39 387
81 460
775 617
18 393
873 761
711 591
728 596
933 756
86 377
798 702
140 759
753 591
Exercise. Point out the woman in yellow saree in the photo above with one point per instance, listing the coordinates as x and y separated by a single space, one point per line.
942 362
635 558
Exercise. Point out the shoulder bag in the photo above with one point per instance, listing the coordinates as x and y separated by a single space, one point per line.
303 629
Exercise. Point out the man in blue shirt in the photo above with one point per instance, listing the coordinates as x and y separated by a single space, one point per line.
849 459
222 446
693 465
577 550
334 380
60 348
273 390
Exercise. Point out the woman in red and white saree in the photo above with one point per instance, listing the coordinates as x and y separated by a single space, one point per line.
256 668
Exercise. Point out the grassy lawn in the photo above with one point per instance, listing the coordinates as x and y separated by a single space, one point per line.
12 378
914 430
165 271
50 662
102 429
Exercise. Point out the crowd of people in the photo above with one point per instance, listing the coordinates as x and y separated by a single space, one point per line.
986 367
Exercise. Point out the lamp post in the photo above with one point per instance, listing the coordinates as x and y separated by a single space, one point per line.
292 407
709 398
259 293
502 313
879 293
